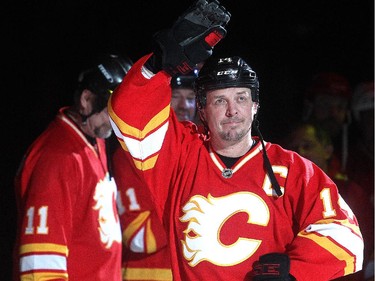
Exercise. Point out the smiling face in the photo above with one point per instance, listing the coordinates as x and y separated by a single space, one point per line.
229 114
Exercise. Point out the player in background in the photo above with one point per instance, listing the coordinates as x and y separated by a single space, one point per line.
327 102
68 223
146 253
312 141
183 97
361 153
234 206
361 150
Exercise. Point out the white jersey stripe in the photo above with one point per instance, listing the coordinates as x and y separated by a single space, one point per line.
148 146
343 236
44 262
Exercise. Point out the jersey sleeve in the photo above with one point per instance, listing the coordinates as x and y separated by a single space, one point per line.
149 130
328 242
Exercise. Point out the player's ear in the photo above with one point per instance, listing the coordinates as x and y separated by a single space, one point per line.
255 107
86 101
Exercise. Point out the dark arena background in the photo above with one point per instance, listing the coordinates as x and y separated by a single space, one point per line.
45 43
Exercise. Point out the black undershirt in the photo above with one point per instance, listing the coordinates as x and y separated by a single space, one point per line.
230 161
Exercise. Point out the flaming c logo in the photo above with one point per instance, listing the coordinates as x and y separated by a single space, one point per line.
206 216
109 225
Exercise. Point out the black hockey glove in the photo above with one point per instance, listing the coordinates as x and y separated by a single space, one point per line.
191 39
272 267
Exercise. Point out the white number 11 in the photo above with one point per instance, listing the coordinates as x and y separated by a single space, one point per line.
42 228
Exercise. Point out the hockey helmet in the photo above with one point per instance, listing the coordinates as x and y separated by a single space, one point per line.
220 73
183 81
101 79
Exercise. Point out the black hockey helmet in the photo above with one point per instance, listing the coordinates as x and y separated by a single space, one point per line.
220 73
183 81
103 77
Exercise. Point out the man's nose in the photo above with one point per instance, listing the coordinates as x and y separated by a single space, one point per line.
231 109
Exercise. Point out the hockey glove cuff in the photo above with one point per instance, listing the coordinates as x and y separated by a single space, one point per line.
272 267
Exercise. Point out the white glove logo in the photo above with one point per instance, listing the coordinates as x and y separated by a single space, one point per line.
206 217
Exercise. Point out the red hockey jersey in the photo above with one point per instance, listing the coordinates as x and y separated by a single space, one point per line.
146 254
69 227
219 221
